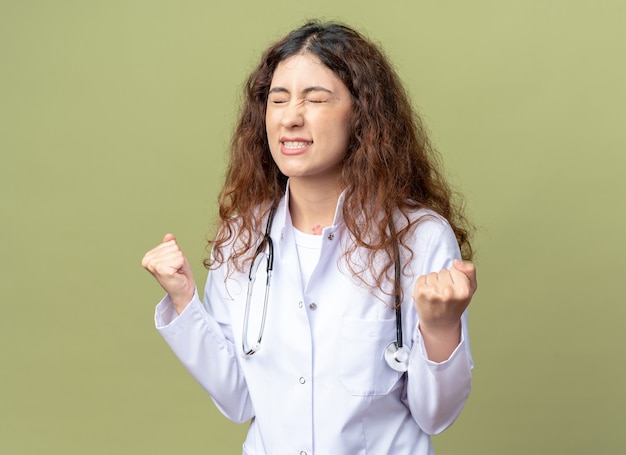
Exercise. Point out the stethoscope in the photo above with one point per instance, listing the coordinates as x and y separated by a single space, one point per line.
396 354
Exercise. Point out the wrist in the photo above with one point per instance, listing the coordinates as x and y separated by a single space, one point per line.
440 330
180 301
439 340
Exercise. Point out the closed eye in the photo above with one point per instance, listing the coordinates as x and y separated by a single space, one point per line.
312 95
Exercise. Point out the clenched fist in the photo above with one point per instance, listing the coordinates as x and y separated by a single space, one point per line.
170 267
440 300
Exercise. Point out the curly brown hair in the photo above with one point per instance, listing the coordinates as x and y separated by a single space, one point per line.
390 165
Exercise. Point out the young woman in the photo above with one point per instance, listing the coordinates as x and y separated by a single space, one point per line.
334 314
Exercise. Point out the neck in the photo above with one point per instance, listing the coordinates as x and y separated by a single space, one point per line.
312 207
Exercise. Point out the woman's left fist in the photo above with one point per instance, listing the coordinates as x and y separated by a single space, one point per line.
441 298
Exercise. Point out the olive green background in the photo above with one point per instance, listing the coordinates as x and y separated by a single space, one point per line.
114 122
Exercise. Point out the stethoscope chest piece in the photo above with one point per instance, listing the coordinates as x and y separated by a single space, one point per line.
397 358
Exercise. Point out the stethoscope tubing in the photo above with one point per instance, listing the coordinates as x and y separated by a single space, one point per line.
396 354
267 240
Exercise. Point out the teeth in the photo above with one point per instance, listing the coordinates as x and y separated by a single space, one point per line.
296 145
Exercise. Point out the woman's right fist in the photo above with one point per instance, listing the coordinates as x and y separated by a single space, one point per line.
169 266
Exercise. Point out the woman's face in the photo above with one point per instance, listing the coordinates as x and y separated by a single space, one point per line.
308 119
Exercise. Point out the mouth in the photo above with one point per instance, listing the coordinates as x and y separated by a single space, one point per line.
295 145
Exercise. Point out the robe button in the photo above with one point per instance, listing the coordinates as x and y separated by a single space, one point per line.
313 306
300 304
301 380
331 236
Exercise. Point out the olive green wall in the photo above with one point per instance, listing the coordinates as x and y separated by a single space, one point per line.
114 120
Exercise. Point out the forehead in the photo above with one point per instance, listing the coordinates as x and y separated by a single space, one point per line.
305 69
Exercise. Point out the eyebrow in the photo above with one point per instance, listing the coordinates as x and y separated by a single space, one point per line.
306 91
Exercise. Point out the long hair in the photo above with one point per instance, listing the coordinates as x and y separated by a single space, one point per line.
390 165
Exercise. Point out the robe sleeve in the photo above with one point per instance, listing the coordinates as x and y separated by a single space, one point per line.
437 392
201 337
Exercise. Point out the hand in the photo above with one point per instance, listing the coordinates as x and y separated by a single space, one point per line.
440 300
170 267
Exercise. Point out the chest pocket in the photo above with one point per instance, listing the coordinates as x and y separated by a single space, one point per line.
362 367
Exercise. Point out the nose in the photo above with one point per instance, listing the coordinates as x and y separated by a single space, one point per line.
292 114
